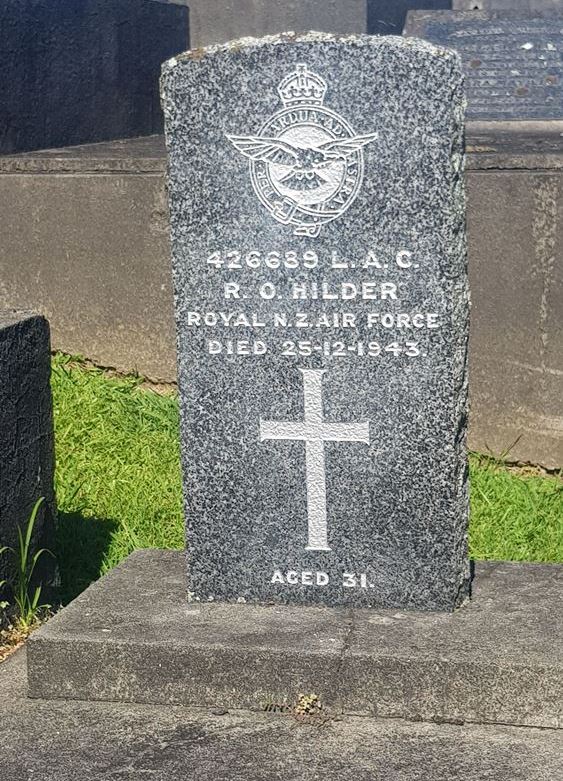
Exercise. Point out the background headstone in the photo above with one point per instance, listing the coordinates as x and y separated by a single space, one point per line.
512 62
26 434
317 218
77 71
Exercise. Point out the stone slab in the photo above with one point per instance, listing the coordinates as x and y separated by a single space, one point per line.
27 458
515 230
100 221
114 192
65 740
218 21
531 7
512 61
332 443
133 637
526 146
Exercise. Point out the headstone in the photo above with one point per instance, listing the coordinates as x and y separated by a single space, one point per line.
512 62
217 21
26 434
317 219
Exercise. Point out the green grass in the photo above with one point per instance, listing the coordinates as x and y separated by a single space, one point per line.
119 486
515 515
118 476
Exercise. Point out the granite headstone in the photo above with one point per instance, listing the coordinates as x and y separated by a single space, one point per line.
513 62
319 261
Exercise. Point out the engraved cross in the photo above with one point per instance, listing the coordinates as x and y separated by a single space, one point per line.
315 431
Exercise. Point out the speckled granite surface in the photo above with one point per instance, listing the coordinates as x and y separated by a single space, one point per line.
317 217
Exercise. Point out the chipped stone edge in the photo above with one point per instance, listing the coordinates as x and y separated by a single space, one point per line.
195 55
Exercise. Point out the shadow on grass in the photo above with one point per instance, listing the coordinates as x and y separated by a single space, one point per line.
81 545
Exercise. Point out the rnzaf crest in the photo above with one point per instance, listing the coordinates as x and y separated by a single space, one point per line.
306 163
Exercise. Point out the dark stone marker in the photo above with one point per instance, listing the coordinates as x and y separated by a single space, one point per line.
317 218
78 71
513 62
26 433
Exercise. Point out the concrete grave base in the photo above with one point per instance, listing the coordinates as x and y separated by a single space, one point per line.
133 637
68 740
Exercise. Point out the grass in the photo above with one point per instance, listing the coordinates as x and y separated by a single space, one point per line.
516 515
19 619
27 592
119 487
118 476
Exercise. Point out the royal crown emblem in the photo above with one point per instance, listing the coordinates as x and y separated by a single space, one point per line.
306 163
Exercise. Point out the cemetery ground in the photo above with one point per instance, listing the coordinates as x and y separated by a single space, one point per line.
119 485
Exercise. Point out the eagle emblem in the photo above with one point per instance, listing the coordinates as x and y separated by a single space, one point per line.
306 161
